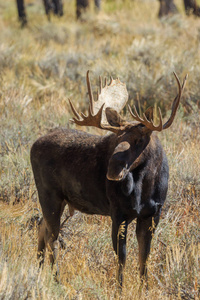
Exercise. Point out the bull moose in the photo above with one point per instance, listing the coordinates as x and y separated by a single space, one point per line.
123 175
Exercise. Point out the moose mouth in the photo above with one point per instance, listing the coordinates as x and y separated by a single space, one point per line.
118 167
119 163
117 175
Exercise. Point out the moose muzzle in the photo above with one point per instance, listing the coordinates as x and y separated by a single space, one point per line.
118 166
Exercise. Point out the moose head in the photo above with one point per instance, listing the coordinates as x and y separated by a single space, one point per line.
132 138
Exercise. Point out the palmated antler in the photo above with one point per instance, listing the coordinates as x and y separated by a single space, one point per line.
160 127
104 97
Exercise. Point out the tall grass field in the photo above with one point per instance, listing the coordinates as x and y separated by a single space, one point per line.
43 65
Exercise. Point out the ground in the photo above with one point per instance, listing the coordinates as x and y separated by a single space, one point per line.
43 65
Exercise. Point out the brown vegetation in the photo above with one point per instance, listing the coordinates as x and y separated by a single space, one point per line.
40 68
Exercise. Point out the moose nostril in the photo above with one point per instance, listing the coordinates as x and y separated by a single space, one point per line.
117 173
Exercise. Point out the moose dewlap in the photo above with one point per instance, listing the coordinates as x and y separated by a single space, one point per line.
123 175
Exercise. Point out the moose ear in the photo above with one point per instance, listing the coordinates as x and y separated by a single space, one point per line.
149 113
113 118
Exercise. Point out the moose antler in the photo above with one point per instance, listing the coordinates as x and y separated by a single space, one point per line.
176 101
147 123
160 127
112 95
90 120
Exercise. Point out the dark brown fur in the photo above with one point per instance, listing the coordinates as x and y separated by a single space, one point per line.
123 175
73 167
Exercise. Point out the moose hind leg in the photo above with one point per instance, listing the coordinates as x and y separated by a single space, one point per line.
52 208
41 241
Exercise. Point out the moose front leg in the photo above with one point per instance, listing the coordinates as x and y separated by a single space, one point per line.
144 230
119 231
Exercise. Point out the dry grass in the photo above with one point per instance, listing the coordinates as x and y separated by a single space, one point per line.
40 67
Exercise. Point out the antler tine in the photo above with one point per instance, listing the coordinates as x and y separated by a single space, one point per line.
151 124
83 115
111 80
105 82
136 116
147 123
74 111
176 101
146 120
100 83
160 119
89 120
91 104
